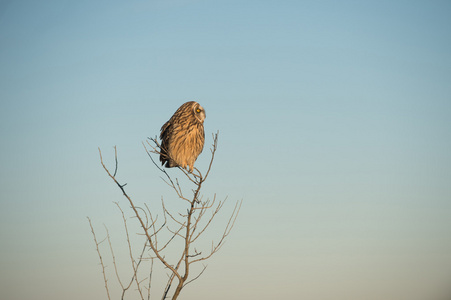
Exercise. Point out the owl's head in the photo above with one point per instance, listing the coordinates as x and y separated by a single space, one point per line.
199 112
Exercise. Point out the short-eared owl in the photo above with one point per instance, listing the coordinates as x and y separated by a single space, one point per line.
182 137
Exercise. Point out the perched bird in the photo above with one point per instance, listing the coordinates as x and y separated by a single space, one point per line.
182 137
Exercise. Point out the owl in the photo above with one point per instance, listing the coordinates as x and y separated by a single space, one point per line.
182 137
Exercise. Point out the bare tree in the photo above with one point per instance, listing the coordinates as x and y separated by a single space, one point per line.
186 227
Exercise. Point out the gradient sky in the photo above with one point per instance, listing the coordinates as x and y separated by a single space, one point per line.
335 130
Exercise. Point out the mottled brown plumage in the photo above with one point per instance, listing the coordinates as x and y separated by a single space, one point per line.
182 137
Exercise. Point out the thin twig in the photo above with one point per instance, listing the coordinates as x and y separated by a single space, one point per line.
114 260
201 272
100 258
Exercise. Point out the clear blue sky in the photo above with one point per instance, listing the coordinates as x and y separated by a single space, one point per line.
335 129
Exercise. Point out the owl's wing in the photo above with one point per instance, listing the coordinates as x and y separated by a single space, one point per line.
164 137
164 130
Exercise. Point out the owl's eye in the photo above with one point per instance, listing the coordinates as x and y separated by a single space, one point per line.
198 110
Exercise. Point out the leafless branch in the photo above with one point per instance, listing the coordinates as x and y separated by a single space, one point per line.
135 210
135 265
227 231
114 260
100 258
186 225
